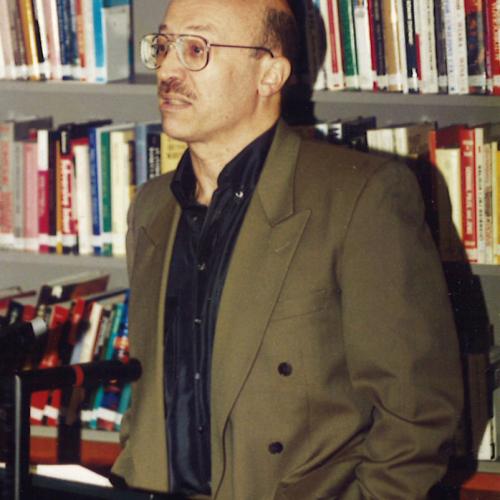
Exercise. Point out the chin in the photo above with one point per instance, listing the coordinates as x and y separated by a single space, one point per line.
174 130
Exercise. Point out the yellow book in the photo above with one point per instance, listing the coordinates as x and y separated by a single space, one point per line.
171 151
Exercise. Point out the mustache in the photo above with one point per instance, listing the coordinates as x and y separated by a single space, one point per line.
173 85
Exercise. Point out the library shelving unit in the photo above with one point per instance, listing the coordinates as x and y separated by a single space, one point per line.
135 100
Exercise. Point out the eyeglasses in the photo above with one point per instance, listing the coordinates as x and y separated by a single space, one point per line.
193 51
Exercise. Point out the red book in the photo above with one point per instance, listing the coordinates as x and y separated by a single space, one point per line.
43 190
476 62
469 198
492 45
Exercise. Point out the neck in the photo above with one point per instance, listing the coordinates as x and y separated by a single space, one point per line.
209 158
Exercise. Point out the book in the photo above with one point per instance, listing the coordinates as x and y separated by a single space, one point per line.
121 181
408 35
30 191
492 47
377 42
29 37
83 198
366 65
440 35
141 149
69 287
456 46
112 41
18 43
7 42
333 65
475 32
352 132
53 39
348 37
396 71
426 47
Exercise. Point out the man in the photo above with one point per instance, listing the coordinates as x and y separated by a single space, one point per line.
287 302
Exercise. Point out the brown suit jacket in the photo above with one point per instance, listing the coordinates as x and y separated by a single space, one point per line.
335 370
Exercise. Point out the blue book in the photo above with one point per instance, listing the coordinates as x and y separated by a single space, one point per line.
141 150
95 192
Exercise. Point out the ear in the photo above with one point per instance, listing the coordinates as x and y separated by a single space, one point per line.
275 72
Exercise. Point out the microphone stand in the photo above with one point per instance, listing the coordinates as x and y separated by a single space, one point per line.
15 396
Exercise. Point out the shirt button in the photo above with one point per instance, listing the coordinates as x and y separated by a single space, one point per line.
285 369
201 428
197 321
197 376
201 266
275 448
239 194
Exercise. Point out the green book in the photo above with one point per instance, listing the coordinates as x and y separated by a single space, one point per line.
107 245
349 43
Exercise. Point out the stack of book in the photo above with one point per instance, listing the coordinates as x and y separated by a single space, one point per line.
87 40
67 189
86 322
424 46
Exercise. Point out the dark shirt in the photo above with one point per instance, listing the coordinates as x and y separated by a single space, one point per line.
203 246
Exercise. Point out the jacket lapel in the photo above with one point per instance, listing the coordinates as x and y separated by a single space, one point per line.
266 244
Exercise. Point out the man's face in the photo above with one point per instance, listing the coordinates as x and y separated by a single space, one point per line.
218 101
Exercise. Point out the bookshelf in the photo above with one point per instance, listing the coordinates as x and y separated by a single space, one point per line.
136 100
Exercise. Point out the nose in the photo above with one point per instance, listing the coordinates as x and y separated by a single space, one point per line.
171 65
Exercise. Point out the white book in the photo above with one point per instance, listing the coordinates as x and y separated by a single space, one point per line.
39 12
116 38
367 74
456 46
334 75
3 70
88 29
480 194
424 24
83 199
43 177
53 39
120 186
72 472
6 41
402 45
449 202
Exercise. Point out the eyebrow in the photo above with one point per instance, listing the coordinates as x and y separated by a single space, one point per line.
193 27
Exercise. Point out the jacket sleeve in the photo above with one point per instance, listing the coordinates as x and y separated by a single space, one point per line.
401 344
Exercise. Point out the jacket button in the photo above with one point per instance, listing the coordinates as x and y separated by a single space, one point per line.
285 369
275 448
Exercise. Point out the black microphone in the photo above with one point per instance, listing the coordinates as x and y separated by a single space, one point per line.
22 333
16 341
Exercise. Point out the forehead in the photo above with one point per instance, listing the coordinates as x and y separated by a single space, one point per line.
220 18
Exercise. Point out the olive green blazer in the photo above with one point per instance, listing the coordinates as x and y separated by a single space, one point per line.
335 370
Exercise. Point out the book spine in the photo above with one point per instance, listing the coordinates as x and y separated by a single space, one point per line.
7 42
30 193
475 31
67 179
391 45
16 30
363 44
493 45
440 35
95 190
479 168
495 156
401 40
350 61
100 68
76 68
469 202
63 24
53 199
336 71
456 46
54 44
154 154
410 46
18 194
106 199
43 190
488 202
80 39
426 45
88 22
6 185
30 44
378 42
83 198
41 38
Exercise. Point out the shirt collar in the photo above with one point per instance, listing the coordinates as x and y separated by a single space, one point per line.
241 173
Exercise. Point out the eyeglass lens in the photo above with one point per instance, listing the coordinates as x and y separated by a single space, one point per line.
191 50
